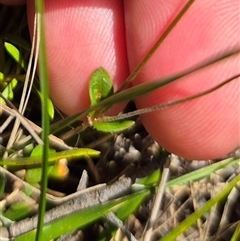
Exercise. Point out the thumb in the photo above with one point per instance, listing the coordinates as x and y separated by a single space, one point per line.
207 127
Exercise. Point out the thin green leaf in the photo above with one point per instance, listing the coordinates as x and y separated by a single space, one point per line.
50 105
192 219
53 157
236 235
152 179
44 80
202 172
1 77
33 176
80 219
132 204
15 54
100 86
113 127
8 91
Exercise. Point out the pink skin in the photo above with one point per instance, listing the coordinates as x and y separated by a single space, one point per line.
83 35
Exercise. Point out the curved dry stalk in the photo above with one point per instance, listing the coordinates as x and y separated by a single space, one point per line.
156 209
165 105
32 128
24 98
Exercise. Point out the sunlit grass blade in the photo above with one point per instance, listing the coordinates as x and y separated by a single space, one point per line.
52 158
202 172
236 234
15 54
192 219
152 179
81 218
132 204
193 176
8 91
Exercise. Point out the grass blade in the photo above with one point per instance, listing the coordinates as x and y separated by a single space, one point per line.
81 218
53 157
43 74
236 234
202 172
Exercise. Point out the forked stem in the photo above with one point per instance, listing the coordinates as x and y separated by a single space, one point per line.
165 105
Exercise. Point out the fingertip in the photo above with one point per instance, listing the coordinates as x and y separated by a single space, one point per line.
205 128
202 129
82 36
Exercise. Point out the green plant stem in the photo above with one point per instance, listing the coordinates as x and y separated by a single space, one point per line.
39 5
52 158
